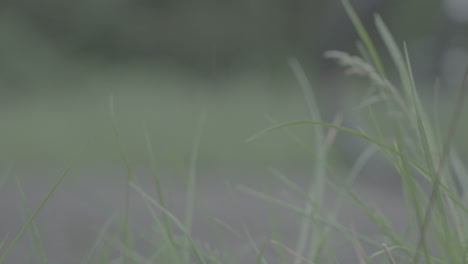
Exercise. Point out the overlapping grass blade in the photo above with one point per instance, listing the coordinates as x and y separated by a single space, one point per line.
260 258
298 210
192 180
157 181
368 43
34 230
174 219
126 236
2 243
101 236
41 205
317 188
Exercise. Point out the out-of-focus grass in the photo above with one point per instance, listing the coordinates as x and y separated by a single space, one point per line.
40 128
413 146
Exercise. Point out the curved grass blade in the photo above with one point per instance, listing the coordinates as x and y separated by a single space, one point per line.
361 30
341 129
290 251
300 211
174 219
126 238
415 164
34 230
395 53
445 153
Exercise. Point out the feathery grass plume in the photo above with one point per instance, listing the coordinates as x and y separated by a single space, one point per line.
359 67
355 66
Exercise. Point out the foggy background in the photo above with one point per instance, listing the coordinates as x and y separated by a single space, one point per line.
168 63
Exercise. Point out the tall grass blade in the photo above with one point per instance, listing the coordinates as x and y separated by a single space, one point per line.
174 219
445 153
317 188
228 227
300 211
260 254
157 181
126 238
34 231
272 200
361 30
41 205
411 190
461 171
99 239
2 243
172 249
290 251
395 53
341 129
192 180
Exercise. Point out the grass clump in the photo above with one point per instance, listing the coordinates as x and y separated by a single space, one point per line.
432 176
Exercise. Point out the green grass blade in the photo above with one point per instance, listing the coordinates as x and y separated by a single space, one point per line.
157 181
174 219
172 251
411 190
300 211
341 129
260 254
378 219
192 180
301 143
363 52
129 176
275 233
289 183
99 239
269 199
228 227
362 32
395 53
461 171
41 205
2 243
421 169
35 235
351 177
434 198
427 152
317 188
307 91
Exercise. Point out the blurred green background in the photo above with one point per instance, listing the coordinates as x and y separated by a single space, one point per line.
167 62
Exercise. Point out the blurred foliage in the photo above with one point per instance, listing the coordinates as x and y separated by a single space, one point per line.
205 35
61 59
